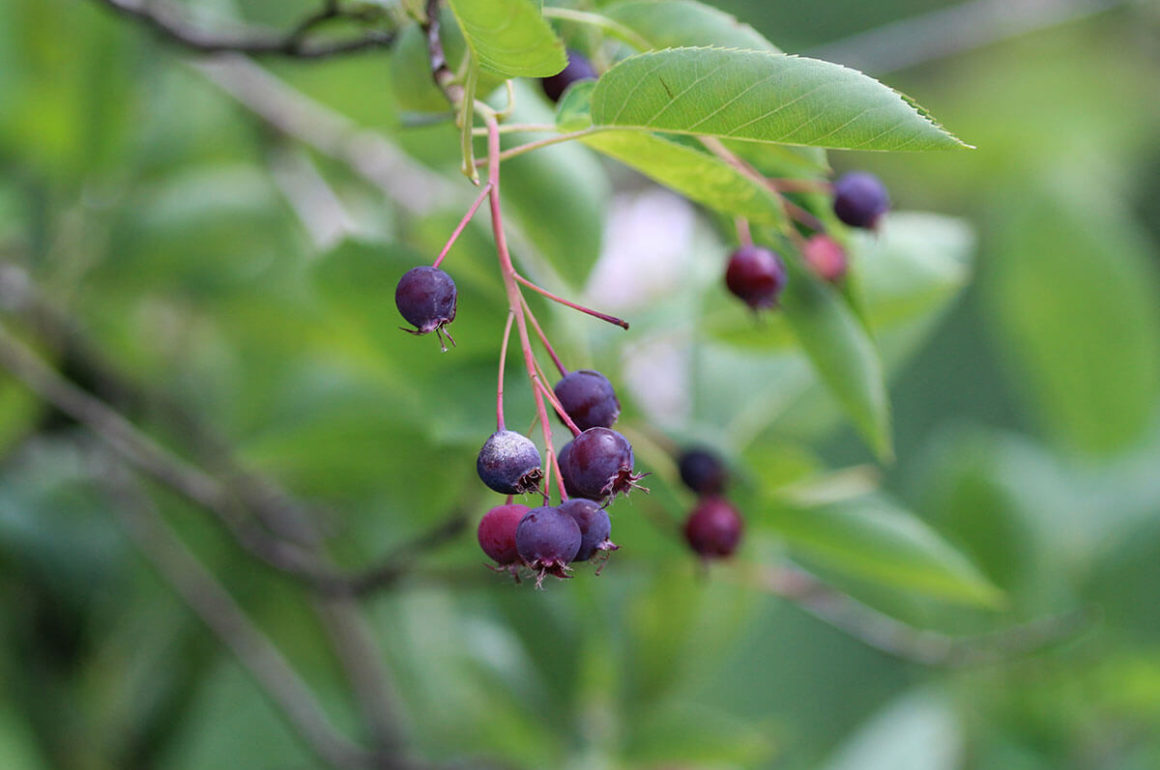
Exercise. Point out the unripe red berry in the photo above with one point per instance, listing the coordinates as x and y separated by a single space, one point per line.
756 275
826 257
497 533
714 528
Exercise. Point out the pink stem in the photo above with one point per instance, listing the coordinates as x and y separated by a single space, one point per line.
555 402
544 338
508 270
507 332
793 185
463 223
744 236
595 313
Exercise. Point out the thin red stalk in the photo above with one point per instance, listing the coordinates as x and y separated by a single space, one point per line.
791 185
595 313
507 332
554 459
743 235
555 402
803 216
543 338
463 223
508 270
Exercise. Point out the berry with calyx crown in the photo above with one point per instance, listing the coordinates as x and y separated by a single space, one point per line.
595 527
756 275
548 539
426 298
509 463
588 398
497 533
599 465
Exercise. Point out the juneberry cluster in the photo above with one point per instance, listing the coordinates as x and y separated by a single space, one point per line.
757 275
713 528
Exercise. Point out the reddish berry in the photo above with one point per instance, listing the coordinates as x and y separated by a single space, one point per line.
497 533
860 199
588 398
426 298
595 527
599 465
547 540
826 257
714 528
578 68
509 463
702 471
756 275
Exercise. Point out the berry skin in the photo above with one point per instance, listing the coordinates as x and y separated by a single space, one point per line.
860 199
702 471
826 258
547 540
509 463
426 298
578 68
756 275
714 528
497 533
562 458
595 527
599 465
588 398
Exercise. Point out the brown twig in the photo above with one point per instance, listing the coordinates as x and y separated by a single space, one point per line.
167 22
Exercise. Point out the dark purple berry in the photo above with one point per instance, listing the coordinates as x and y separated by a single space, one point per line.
547 540
578 68
826 258
562 459
756 275
595 527
426 298
860 199
497 533
509 463
714 528
702 471
599 465
588 398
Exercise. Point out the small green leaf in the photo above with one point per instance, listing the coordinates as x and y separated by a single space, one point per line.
697 175
874 538
842 353
763 97
679 23
510 37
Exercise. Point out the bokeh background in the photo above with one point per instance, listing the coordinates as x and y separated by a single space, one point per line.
227 286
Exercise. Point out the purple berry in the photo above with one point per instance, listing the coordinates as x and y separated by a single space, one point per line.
860 199
509 463
756 275
595 527
578 68
826 258
599 465
497 533
588 398
714 528
547 540
702 471
562 459
426 298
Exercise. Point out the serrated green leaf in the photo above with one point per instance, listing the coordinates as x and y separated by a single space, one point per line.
678 23
697 175
763 97
874 538
842 353
510 37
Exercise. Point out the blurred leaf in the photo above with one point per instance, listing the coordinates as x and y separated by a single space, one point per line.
762 97
842 353
18 750
678 23
510 37
916 732
695 736
874 538
1074 298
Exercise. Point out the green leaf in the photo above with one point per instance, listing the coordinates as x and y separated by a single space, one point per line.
510 37
699 176
842 353
1074 289
874 538
763 97
679 23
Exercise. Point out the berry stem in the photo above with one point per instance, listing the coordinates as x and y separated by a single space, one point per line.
543 338
595 313
521 149
793 185
463 223
507 333
528 128
803 216
744 236
555 402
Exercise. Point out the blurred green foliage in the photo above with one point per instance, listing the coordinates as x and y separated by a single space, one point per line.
165 221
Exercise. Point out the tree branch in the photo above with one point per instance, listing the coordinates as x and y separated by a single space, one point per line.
166 21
